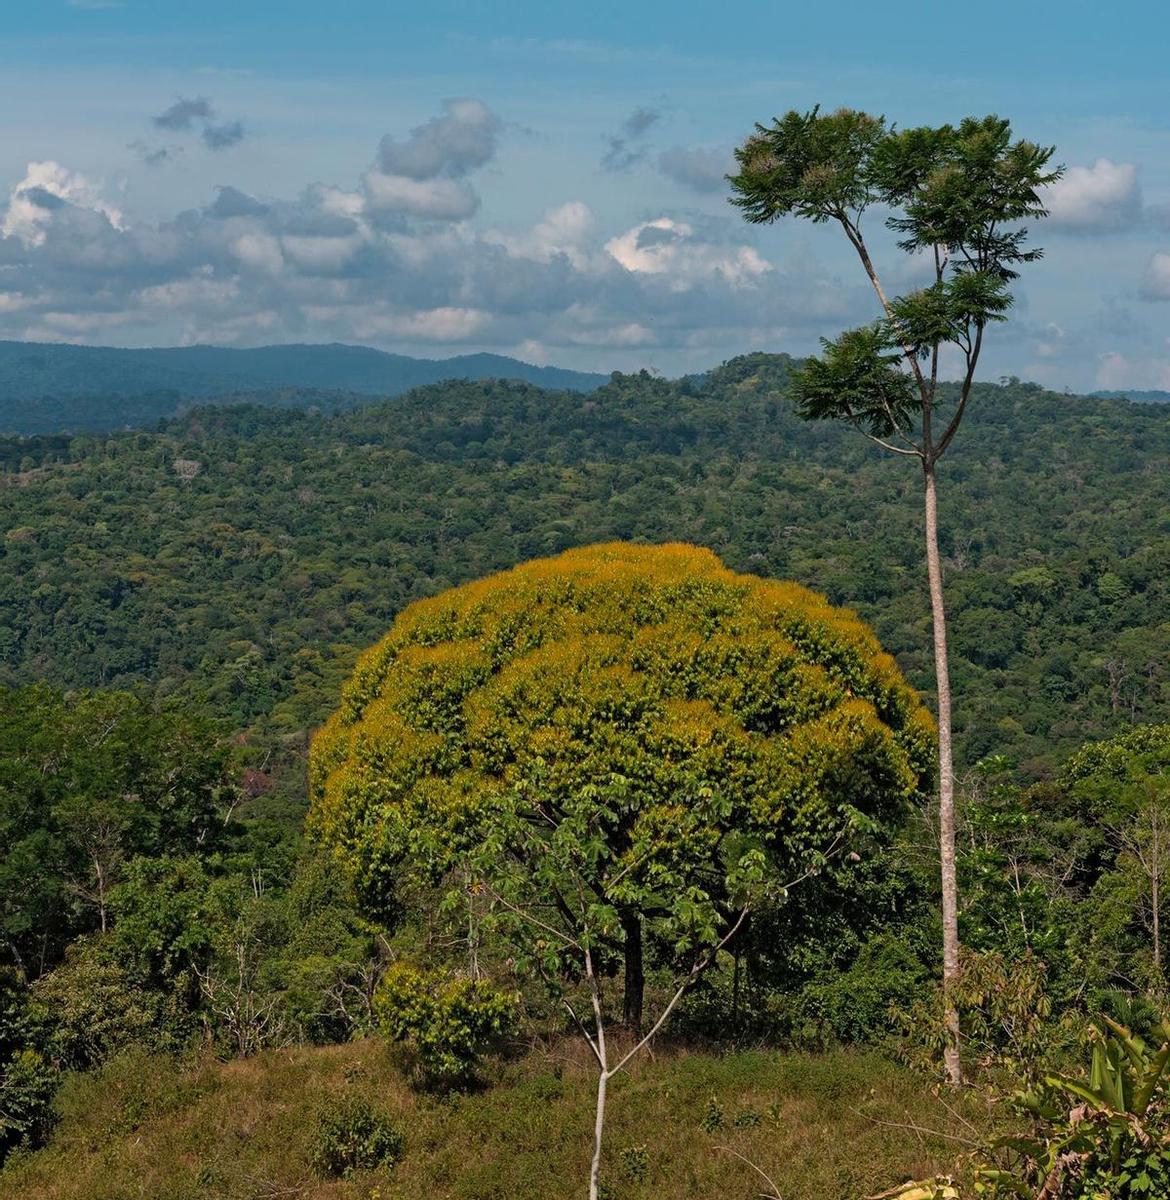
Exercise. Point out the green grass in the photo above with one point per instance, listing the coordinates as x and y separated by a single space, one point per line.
832 1127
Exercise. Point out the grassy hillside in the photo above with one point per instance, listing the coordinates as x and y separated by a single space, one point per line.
839 1126
49 388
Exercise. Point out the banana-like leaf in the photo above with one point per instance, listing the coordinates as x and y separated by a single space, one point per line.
1006 1179
1148 1082
1096 1098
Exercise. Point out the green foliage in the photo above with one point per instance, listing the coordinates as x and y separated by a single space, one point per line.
353 1136
87 782
634 1163
1004 1007
852 1006
959 194
858 377
807 165
252 587
617 738
1104 1137
88 1009
27 1084
713 1117
449 1024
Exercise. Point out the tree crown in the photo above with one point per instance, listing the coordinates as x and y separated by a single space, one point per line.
957 194
635 722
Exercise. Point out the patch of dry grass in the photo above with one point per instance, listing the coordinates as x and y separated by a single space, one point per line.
828 1127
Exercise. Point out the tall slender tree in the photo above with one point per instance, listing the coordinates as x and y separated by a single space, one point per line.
957 196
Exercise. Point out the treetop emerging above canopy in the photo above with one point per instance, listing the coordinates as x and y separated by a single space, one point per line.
681 700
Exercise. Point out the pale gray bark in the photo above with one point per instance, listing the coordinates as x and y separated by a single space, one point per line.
946 788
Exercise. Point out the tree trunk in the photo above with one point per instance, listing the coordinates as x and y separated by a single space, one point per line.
635 979
1157 923
946 787
598 1130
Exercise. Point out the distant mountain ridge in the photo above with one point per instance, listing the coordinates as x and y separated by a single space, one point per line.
49 387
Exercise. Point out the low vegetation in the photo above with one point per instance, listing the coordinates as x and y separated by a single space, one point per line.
843 1125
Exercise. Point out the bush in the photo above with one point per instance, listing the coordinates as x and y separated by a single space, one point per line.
1004 1008
27 1084
351 1136
449 1024
1104 1137
87 1010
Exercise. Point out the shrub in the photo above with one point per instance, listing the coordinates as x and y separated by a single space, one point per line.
449 1024
351 1136
27 1084
88 1009
635 1163
1004 1006
1104 1137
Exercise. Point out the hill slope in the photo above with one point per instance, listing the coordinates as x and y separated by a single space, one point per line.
246 555
48 388
241 1130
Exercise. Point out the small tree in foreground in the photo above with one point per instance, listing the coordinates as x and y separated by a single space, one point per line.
957 197
619 754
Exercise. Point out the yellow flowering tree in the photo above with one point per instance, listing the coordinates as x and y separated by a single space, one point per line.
618 746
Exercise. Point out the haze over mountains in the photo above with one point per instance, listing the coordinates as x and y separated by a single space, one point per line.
47 387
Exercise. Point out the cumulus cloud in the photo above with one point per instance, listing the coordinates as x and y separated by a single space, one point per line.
670 248
231 202
700 168
425 176
46 188
563 231
626 147
433 199
1103 197
451 145
392 259
1156 282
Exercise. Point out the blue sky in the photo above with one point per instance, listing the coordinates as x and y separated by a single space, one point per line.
544 179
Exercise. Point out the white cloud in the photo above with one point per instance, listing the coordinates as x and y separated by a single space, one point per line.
566 230
319 254
260 251
1102 197
46 187
462 138
1156 284
393 260
431 199
1121 372
200 289
668 247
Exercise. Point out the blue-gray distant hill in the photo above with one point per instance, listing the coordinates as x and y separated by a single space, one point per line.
48 388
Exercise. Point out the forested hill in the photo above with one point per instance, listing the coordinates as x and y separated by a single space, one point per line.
53 388
1146 397
246 556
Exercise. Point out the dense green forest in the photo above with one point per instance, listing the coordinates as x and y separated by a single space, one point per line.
46 388
244 556
180 608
